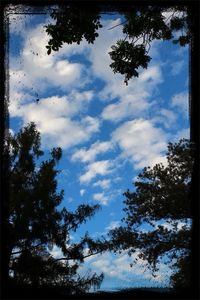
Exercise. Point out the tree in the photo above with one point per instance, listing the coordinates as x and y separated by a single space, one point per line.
162 200
36 223
141 26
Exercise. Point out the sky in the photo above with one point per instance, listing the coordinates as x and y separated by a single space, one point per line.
108 131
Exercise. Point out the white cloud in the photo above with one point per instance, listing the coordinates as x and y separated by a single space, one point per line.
101 167
59 106
82 192
104 184
102 198
131 105
181 101
141 142
90 154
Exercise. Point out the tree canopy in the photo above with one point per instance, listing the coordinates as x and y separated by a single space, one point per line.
141 25
36 223
162 194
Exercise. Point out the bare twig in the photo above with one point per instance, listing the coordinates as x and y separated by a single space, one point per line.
118 25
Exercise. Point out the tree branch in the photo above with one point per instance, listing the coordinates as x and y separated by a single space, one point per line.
65 258
17 252
118 25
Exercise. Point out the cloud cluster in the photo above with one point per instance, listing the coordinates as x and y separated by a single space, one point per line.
54 118
33 74
132 101
54 114
121 267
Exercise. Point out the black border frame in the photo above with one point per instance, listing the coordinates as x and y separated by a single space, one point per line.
194 5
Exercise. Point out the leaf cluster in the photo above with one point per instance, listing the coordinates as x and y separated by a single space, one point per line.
72 25
128 58
141 26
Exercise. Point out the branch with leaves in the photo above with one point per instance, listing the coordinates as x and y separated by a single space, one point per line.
162 194
141 25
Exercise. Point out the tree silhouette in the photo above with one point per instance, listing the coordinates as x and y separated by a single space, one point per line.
36 223
141 26
162 194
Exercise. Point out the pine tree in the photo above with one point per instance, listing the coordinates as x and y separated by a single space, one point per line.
36 223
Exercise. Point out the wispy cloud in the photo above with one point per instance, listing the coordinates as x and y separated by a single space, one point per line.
104 184
166 117
102 198
112 225
176 67
101 167
181 102
94 150
183 133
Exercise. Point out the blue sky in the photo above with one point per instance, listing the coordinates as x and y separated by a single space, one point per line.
108 131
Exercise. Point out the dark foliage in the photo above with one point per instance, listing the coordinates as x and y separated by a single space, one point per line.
36 223
162 194
141 26
72 25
